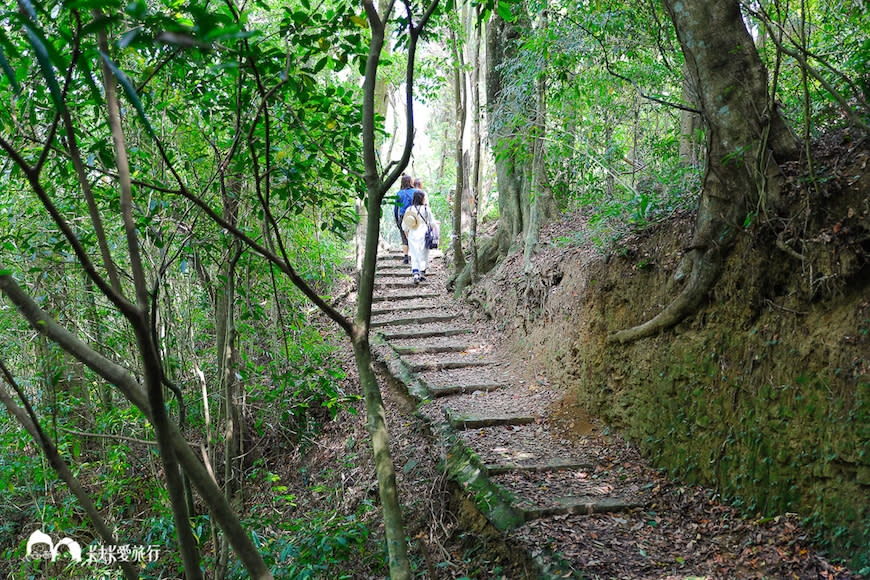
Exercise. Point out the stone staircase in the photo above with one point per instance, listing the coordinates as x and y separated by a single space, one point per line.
491 418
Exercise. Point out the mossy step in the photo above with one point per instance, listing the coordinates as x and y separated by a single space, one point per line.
581 506
551 465
433 348
414 320
459 421
423 333
447 365
415 296
447 390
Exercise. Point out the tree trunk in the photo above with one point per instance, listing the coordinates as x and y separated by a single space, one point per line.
509 171
376 188
381 101
690 123
26 417
475 138
459 96
542 205
376 424
745 140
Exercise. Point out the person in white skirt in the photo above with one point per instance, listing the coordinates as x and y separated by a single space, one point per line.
415 224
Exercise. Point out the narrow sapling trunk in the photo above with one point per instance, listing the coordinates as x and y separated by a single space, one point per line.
376 188
459 107
26 417
129 386
140 322
542 206
475 137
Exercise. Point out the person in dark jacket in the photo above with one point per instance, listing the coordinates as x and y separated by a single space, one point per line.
404 198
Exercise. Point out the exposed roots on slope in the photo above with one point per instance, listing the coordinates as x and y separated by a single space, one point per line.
705 271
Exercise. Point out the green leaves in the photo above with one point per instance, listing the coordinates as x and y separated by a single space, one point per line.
41 52
10 74
504 11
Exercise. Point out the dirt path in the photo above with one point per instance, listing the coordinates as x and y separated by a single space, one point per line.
580 500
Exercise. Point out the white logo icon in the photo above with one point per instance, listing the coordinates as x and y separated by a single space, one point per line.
38 537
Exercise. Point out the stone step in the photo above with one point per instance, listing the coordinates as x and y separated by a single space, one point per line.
433 348
459 421
409 283
415 320
423 333
447 365
446 390
551 465
405 308
415 296
581 506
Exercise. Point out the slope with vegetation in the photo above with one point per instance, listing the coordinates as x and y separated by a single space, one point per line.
712 300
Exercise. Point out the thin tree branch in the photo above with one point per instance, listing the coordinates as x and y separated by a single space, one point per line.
108 436
604 51
320 148
74 154
800 57
147 347
116 375
157 69
414 33
27 418
122 163
118 300
282 265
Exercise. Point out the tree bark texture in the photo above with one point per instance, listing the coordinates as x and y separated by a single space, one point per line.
510 174
690 123
459 99
745 139
476 112
376 188
542 204
511 171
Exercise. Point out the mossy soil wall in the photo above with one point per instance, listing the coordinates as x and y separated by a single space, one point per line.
763 394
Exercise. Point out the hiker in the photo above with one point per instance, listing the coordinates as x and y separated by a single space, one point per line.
404 197
418 185
416 222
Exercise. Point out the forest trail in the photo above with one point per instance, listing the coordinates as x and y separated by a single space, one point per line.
580 500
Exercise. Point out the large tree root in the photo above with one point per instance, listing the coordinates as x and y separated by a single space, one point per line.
487 257
705 271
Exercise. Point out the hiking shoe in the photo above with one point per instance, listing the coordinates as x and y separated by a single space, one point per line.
422 277
416 278
406 260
